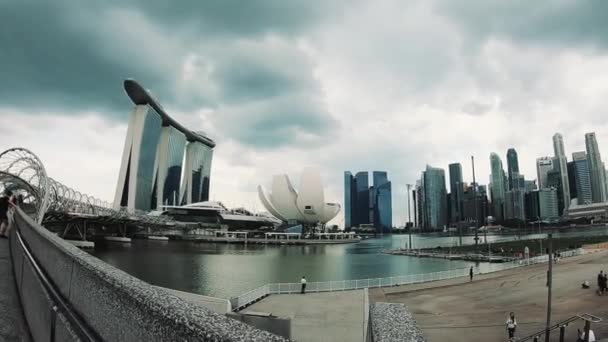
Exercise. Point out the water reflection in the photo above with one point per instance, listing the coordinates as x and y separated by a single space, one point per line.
225 270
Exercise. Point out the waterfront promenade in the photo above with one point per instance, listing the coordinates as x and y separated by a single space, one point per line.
456 310
12 323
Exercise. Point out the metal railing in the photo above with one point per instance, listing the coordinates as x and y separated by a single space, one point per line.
588 318
344 285
59 304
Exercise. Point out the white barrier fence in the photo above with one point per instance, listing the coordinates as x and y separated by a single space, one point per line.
343 285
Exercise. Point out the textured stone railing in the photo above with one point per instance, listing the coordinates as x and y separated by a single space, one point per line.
109 303
392 322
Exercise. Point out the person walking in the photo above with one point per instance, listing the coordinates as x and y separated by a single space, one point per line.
4 206
471 273
600 283
303 282
511 326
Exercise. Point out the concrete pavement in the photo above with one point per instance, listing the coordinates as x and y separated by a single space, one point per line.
456 310
319 317
12 323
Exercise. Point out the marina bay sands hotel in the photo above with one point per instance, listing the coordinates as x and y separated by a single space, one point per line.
163 162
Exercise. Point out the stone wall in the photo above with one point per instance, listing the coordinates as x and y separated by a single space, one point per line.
115 305
392 322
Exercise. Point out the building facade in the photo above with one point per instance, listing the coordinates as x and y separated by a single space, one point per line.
544 165
382 204
350 199
456 192
596 169
497 187
582 178
151 165
548 204
435 198
562 168
512 166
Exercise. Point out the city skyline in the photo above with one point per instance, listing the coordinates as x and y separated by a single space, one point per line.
281 92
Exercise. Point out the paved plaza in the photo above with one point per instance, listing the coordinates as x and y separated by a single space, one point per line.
457 310
319 317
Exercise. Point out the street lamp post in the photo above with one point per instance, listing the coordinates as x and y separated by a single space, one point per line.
549 286
409 218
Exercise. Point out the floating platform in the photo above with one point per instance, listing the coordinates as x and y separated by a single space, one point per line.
449 256
158 238
117 239
82 243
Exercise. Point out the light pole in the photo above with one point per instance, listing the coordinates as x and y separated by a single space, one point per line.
549 286
409 218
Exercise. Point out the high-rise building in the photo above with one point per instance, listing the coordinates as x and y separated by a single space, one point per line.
562 168
530 185
363 198
382 208
435 201
572 180
497 187
350 200
548 204
532 206
582 178
512 165
456 192
515 205
419 202
543 166
596 169
364 204
162 162
475 202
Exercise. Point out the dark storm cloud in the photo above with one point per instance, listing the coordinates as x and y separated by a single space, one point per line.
68 56
240 18
285 120
48 61
561 22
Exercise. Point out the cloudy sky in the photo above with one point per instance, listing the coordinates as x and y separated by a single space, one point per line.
342 85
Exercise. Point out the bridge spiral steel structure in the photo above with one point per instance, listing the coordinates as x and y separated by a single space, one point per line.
22 172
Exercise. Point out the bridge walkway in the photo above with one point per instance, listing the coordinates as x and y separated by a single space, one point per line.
12 322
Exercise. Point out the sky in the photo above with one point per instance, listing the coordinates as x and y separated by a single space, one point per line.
342 85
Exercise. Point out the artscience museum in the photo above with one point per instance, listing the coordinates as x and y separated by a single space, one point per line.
306 206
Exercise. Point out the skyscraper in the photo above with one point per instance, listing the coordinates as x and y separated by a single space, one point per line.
350 200
497 187
582 178
456 191
363 198
596 169
364 204
435 205
572 180
548 206
512 165
544 165
562 168
382 208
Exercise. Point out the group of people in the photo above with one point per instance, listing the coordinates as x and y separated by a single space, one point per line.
7 201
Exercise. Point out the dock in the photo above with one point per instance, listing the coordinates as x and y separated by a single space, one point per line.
451 256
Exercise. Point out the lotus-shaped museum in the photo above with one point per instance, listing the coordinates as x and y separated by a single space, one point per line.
307 206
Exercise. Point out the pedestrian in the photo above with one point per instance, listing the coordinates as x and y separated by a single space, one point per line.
303 282
471 273
527 254
4 206
511 325
600 283
605 283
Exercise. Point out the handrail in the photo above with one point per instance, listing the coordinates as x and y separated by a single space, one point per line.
585 317
59 303
256 294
